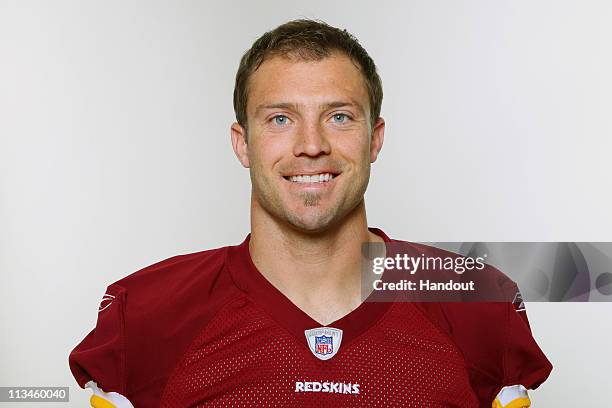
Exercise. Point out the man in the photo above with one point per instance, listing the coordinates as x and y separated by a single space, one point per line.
279 319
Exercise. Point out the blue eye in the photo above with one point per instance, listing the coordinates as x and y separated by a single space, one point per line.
280 120
340 118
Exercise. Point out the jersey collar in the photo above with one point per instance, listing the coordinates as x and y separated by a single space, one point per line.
248 279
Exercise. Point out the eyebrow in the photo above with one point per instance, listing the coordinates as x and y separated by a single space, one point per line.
326 106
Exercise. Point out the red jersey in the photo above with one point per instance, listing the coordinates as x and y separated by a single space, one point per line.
208 329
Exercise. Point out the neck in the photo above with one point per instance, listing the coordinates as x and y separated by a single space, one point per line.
320 273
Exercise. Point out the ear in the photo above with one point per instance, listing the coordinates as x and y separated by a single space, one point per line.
239 143
378 136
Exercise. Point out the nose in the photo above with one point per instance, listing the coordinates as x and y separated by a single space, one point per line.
311 140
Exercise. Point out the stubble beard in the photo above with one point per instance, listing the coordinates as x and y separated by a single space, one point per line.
311 199
318 219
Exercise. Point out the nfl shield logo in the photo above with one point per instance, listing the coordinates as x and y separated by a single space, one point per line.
324 342
324 345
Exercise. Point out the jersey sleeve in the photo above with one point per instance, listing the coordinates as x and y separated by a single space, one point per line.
524 362
496 342
100 356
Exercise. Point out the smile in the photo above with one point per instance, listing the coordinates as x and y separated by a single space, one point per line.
313 178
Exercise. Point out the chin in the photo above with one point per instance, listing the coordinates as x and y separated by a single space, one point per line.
310 225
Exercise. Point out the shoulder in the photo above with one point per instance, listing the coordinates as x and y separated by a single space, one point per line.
490 307
175 269
161 307
182 291
492 331
166 282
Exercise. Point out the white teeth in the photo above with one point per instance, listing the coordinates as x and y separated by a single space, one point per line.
316 178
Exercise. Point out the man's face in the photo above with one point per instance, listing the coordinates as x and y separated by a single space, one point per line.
308 118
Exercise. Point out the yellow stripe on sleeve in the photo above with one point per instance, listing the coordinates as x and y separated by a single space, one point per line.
101 399
99 402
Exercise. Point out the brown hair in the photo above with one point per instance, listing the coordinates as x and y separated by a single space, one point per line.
306 40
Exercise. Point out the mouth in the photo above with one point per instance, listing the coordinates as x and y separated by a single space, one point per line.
312 179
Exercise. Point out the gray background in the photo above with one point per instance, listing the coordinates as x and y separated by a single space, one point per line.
115 151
